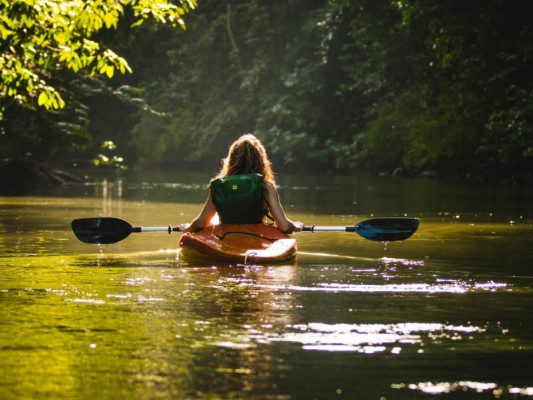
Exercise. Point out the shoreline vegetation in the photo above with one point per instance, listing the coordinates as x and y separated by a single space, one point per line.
21 176
398 88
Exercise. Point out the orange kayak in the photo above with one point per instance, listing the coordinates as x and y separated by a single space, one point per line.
238 243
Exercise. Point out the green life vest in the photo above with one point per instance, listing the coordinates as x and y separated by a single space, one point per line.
239 198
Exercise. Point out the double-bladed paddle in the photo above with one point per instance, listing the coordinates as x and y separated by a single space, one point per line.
106 230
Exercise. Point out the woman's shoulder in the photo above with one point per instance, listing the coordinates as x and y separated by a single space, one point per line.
270 186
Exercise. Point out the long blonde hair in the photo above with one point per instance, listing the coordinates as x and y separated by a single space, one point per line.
247 155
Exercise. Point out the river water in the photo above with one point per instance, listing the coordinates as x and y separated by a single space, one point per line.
445 314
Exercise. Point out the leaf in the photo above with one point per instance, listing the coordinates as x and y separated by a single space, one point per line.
137 23
110 21
43 99
53 103
123 65
60 101
108 145
110 71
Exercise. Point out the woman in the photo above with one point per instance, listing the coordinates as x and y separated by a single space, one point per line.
245 165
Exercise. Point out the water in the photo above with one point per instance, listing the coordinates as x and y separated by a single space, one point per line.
445 314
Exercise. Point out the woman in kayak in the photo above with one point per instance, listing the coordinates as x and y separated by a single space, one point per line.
244 191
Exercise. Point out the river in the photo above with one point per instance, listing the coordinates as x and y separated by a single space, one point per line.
447 313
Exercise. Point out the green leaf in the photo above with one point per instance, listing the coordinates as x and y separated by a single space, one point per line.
110 71
110 21
43 99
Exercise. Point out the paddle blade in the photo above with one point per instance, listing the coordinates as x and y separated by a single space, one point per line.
101 230
387 229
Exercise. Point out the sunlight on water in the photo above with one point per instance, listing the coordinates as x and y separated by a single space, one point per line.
465 387
367 338
360 338
443 287
403 261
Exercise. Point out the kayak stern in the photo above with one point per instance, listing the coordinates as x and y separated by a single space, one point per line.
238 243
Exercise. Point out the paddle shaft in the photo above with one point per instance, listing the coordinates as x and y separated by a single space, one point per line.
314 228
167 229
311 228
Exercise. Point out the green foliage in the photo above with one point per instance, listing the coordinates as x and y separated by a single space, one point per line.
241 73
337 85
433 136
51 134
461 112
108 158
40 37
344 85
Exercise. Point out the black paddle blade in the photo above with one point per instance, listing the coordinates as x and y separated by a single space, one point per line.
101 230
387 229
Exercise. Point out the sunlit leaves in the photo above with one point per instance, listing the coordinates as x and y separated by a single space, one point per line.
108 145
109 61
49 98
162 11
110 160
41 37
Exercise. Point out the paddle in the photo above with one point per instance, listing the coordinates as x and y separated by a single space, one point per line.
389 229
106 230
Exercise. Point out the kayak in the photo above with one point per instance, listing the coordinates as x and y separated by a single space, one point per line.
238 243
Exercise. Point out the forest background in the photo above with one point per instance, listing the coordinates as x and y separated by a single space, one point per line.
442 88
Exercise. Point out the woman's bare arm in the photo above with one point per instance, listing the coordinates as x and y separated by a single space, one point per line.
203 219
283 223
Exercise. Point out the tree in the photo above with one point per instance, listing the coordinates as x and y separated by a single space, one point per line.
252 67
42 37
328 85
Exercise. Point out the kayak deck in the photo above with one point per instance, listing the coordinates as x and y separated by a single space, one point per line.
239 243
